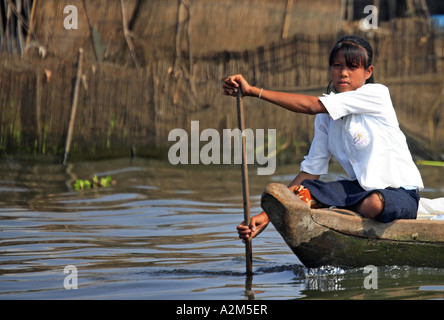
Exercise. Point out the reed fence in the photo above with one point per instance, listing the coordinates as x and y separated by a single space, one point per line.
122 104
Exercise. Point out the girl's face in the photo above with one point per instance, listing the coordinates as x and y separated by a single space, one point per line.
348 78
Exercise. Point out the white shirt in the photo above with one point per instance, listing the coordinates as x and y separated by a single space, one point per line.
362 132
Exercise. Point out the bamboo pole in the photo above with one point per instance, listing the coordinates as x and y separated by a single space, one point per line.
20 35
245 187
91 33
38 109
430 116
8 36
2 31
287 16
127 36
30 26
73 107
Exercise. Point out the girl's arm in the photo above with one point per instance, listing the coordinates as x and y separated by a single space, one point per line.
294 102
260 222
301 177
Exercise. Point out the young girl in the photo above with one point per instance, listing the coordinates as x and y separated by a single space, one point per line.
358 126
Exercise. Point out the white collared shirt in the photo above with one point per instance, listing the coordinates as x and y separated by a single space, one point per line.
362 132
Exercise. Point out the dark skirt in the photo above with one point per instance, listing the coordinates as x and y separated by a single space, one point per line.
398 202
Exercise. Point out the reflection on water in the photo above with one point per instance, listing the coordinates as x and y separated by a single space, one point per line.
164 232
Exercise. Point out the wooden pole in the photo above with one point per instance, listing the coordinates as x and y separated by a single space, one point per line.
30 26
126 34
73 107
38 110
91 34
287 16
246 195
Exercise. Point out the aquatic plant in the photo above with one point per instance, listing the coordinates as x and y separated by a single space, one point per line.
95 183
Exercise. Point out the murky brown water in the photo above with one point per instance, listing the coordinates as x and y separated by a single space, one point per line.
164 232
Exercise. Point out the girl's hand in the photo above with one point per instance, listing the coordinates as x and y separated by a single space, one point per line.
232 83
257 225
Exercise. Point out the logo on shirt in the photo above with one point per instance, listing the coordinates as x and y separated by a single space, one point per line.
360 136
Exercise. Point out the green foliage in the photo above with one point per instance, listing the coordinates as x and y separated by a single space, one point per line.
95 183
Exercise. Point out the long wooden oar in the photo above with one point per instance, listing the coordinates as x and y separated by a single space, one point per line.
246 195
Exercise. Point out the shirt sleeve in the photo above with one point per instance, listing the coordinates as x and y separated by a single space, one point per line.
316 162
368 99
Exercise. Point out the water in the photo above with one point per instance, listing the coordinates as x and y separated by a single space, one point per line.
166 233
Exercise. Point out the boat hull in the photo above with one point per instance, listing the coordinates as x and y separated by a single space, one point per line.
320 237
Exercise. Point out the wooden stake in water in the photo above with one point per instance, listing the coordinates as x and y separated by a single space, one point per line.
246 195
73 107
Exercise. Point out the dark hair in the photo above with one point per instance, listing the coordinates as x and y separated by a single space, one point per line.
355 50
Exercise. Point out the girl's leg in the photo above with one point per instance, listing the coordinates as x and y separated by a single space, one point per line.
371 206
383 204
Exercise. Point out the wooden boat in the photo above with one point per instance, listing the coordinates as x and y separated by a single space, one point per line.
343 238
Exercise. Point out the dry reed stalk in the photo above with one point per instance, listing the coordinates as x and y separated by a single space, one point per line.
126 34
31 26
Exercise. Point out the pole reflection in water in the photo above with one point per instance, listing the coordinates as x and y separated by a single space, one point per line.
163 232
